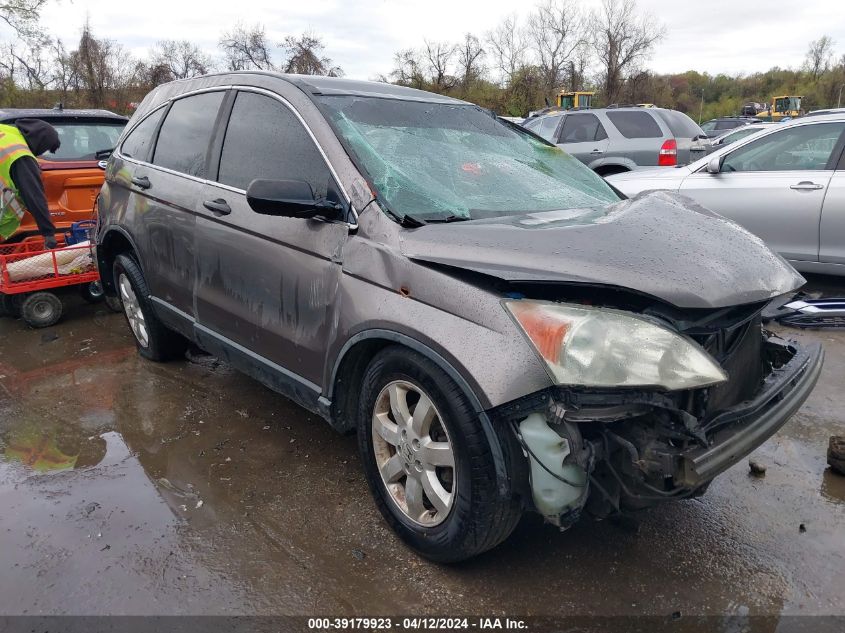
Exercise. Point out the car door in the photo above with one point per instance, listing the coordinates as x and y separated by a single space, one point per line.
832 227
583 136
774 186
160 167
266 284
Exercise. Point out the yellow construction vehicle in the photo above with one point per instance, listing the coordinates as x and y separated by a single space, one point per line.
574 100
782 107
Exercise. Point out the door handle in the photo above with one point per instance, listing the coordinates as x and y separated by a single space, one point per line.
218 206
142 182
806 185
597 151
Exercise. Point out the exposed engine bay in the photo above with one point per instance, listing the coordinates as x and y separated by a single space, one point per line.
606 451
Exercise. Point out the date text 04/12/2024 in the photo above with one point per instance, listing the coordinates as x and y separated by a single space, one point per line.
415 624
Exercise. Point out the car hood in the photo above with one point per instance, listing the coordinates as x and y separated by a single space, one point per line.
659 244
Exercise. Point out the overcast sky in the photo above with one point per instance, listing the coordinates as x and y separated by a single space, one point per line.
361 36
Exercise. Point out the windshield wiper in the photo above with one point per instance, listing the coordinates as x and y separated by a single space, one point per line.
448 218
406 220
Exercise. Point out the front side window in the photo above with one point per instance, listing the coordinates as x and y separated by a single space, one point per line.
581 128
801 148
264 139
635 124
140 141
438 162
186 133
82 140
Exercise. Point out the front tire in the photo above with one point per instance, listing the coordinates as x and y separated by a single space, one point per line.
429 463
154 341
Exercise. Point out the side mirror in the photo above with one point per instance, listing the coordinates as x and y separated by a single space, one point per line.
103 154
288 199
714 165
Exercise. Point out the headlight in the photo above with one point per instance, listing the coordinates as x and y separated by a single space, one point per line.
600 347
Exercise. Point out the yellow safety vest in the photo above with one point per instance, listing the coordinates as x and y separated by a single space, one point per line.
12 147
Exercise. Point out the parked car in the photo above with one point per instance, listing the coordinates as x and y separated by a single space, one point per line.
715 127
785 184
614 140
735 134
504 332
72 176
826 111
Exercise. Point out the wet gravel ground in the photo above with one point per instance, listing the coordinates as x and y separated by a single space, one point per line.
129 487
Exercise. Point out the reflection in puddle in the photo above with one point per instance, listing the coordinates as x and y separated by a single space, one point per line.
50 448
833 486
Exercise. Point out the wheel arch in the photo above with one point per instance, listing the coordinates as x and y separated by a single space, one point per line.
353 359
114 241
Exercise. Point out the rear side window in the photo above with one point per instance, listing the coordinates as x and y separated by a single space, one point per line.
264 139
140 140
548 125
186 133
635 124
581 128
680 124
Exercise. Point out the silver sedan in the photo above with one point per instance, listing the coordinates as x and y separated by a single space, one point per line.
785 183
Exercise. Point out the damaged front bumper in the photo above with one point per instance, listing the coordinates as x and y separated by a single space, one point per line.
606 452
741 429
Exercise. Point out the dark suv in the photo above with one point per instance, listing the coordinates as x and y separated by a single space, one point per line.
504 332
615 140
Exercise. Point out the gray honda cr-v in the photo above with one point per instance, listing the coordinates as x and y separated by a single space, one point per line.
502 329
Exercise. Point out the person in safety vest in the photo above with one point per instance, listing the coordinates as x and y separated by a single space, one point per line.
20 176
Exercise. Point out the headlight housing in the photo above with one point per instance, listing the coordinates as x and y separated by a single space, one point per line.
601 347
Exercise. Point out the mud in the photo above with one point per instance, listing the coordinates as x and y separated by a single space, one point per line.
135 488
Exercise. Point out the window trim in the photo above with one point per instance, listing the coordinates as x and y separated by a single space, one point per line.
737 145
119 149
170 105
227 107
831 164
581 114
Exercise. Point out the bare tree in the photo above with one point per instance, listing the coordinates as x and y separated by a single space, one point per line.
470 59
64 69
246 49
22 15
556 29
408 69
819 55
181 59
439 56
621 39
103 70
507 46
34 66
305 56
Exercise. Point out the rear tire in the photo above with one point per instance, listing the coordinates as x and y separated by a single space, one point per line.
41 309
446 513
154 341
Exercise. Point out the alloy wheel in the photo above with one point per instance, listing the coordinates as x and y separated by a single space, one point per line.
413 453
133 311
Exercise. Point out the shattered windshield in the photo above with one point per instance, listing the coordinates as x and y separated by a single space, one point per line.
442 162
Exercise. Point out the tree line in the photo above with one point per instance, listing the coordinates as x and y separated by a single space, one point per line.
517 66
